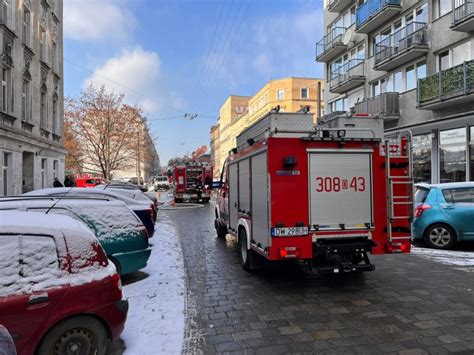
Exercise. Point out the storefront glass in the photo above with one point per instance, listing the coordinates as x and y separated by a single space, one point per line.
472 154
422 158
452 155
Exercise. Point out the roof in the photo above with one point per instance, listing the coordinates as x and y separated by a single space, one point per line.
39 223
448 185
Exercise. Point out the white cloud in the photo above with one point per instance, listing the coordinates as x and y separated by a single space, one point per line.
97 20
136 73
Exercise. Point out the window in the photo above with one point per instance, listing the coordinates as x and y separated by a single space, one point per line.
339 105
5 83
461 53
44 163
459 195
452 155
26 101
280 94
43 110
55 169
54 117
421 13
55 57
421 70
443 58
7 15
305 93
26 26
43 44
397 81
471 148
444 6
375 88
411 77
6 173
421 153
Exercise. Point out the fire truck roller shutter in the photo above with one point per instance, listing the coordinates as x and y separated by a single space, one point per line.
260 227
244 186
233 196
340 188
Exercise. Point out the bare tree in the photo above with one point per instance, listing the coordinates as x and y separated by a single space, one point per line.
107 129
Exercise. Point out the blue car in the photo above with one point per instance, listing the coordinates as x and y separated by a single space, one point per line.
444 214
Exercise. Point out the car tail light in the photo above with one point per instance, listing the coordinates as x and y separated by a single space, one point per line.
397 248
289 252
117 281
420 209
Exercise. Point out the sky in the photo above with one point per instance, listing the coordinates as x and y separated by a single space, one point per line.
173 57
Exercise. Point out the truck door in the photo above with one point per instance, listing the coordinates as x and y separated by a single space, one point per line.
259 183
340 189
233 196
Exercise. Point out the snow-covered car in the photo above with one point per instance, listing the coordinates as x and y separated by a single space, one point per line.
58 292
145 210
119 231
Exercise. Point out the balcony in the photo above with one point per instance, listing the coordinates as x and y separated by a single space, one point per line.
331 45
386 106
401 47
338 5
463 16
446 88
347 77
374 13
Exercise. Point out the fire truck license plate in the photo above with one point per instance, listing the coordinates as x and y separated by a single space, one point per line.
289 232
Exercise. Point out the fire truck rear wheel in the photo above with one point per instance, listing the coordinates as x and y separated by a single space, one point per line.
220 229
247 256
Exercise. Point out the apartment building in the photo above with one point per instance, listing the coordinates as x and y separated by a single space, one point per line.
215 148
238 112
31 95
412 63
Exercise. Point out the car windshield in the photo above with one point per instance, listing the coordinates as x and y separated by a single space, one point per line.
420 194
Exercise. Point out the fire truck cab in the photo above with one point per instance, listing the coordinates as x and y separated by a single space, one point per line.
329 195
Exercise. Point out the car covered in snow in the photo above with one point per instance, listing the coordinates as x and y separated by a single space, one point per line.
444 214
58 292
145 210
119 231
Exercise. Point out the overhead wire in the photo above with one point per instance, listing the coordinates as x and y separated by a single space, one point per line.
204 96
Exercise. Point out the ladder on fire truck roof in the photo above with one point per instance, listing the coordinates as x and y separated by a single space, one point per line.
394 182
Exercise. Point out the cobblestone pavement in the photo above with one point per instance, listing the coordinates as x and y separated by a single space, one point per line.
409 305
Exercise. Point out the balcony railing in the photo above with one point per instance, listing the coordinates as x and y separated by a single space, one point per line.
332 39
412 34
463 10
385 105
353 68
370 8
338 5
447 84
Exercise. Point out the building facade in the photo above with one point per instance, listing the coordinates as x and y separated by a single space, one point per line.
31 100
215 148
238 112
412 63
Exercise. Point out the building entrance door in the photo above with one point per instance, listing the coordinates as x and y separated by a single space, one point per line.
28 172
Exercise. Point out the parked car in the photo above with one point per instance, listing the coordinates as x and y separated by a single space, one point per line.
444 214
145 210
58 292
119 231
161 183
88 181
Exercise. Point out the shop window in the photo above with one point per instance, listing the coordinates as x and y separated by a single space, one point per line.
422 158
452 155
471 148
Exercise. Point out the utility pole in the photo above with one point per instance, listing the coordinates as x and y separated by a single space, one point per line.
138 156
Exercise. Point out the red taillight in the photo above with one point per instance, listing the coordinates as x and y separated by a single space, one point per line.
289 252
420 209
117 282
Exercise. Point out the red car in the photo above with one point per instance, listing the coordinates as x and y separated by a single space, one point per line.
58 292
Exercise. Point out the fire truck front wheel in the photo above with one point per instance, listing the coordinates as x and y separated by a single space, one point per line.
247 256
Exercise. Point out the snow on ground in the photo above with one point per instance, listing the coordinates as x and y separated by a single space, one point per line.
155 323
462 259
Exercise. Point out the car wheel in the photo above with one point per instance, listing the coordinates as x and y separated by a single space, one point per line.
440 236
80 335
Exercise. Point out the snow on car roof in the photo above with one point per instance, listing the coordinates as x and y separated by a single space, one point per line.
74 191
40 223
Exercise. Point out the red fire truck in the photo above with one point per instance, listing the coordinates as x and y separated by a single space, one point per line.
328 195
192 182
